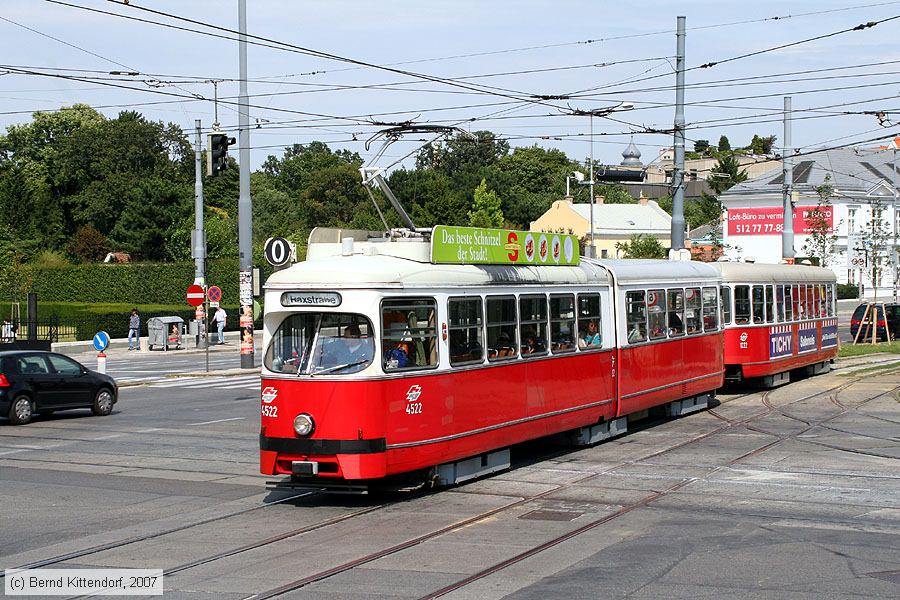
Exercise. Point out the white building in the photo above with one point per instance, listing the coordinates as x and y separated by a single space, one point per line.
863 185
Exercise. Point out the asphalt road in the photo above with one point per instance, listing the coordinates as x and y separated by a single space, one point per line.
788 494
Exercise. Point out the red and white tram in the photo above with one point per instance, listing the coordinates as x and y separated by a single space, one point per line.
381 363
778 319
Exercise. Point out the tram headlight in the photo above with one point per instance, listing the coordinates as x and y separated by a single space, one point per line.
304 424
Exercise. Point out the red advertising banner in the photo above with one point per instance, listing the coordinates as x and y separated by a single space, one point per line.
769 220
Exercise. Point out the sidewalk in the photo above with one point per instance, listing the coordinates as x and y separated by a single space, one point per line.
232 339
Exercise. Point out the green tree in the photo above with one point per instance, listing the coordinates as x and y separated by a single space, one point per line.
486 210
88 244
821 239
724 144
642 246
725 174
701 146
762 145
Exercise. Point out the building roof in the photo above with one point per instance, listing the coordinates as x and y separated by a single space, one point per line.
852 172
626 219
692 189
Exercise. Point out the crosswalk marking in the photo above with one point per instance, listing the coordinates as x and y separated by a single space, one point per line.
245 382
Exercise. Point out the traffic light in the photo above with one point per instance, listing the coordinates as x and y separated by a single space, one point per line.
217 153
620 174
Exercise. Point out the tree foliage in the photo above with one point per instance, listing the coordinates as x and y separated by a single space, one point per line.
724 144
725 174
642 246
486 210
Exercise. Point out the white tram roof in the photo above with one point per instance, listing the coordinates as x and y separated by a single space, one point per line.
364 270
639 271
380 262
733 272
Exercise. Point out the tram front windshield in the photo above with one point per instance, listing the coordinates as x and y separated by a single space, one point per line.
316 343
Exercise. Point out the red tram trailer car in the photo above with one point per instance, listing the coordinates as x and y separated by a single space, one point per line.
778 319
384 361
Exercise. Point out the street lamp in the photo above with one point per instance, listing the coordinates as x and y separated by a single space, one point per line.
598 112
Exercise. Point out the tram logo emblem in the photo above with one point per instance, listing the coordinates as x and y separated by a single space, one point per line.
413 393
269 394
743 339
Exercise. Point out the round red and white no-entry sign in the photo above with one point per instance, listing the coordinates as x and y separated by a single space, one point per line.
195 295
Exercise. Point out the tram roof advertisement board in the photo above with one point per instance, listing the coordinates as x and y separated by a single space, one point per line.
477 245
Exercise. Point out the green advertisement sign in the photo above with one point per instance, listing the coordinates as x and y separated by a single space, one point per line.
475 245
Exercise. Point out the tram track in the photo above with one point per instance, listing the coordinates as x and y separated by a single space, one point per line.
624 510
360 561
297 584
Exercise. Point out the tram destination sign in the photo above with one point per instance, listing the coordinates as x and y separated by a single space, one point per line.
327 299
476 245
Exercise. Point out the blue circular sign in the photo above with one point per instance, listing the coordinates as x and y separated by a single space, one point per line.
101 341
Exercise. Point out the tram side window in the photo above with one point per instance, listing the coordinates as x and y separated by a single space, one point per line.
797 291
676 312
759 307
741 304
409 333
817 300
500 313
710 309
692 311
636 316
656 313
562 323
770 304
829 302
465 331
808 311
725 298
779 302
533 325
589 336
788 303
822 311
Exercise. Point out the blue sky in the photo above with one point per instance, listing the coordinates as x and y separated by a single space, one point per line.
575 43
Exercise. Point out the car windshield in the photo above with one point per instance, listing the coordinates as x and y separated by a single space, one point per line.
316 343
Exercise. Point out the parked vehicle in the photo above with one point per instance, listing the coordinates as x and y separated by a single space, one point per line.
34 382
891 324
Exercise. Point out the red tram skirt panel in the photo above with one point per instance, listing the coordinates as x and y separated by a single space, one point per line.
656 373
375 428
767 350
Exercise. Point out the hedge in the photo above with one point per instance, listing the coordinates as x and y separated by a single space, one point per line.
131 283
846 291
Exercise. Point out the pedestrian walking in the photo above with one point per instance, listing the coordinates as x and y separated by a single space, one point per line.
134 330
219 319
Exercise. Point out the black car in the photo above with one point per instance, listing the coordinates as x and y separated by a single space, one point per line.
892 323
43 382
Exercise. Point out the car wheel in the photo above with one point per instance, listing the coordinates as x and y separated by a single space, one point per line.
21 410
103 403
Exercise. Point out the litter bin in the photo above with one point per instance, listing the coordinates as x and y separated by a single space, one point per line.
165 332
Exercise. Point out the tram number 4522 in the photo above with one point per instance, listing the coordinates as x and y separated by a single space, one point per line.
414 408
269 410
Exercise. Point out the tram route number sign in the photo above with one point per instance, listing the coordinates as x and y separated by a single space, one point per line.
195 295
278 251
477 245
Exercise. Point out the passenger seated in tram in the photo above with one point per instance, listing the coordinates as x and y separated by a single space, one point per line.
564 340
590 337
503 346
532 342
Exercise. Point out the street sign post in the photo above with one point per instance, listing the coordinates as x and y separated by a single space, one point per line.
195 295
101 343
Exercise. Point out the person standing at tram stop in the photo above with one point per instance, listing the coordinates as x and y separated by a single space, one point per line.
591 336
219 319
134 330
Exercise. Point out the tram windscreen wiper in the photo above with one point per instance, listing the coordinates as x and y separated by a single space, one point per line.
339 367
